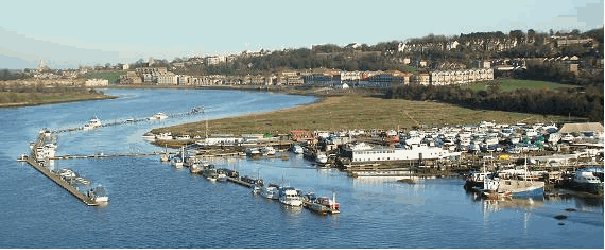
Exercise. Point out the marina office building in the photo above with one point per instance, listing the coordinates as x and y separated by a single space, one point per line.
362 153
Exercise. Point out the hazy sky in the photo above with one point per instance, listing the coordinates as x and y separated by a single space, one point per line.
69 33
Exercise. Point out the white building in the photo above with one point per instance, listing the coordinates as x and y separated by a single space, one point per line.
412 153
96 82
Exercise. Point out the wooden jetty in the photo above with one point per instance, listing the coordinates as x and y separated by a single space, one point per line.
237 181
54 177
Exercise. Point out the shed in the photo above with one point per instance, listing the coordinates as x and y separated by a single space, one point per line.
581 127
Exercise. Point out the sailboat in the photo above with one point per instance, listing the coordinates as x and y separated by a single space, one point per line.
498 188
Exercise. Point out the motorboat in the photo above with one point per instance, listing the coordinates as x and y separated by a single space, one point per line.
270 192
178 163
221 176
211 174
164 136
289 196
252 151
159 116
148 136
93 123
268 150
194 168
164 158
297 149
587 181
98 194
331 204
321 158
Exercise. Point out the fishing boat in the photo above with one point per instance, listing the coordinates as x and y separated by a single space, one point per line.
289 196
331 204
498 188
93 123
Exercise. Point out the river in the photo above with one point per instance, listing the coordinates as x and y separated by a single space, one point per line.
153 205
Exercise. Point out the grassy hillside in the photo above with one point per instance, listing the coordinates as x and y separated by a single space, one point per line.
354 112
513 84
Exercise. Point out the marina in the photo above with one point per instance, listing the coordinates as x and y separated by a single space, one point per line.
156 202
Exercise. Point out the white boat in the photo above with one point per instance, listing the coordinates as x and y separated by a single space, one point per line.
587 181
252 151
270 193
164 136
148 136
297 149
222 177
159 116
211 174
321 158
67 173
93 123
98 194
178 164
195 168
268 150
289 196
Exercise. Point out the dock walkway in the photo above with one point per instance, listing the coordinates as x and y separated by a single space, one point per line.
54 177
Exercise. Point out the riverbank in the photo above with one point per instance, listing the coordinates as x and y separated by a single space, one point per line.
49 98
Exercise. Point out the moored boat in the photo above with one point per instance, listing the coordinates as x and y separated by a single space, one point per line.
268 150
98 194
586 181
297 149
270 192
289 196
159 116
93 123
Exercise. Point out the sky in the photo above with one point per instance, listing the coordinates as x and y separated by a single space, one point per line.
73 33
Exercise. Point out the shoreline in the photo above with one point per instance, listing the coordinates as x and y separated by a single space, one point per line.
22 104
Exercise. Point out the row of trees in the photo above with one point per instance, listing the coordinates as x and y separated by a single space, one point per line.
582 104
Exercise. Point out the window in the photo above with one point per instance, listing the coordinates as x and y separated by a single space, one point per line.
388 158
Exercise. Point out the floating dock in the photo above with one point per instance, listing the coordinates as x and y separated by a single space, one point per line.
54 177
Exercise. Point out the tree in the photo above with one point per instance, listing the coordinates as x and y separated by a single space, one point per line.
531 35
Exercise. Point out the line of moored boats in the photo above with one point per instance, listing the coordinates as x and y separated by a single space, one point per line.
284 194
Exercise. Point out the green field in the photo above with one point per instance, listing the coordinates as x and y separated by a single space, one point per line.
111 77
351 112
510 85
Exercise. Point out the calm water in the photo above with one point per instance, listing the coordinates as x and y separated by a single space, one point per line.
153 205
